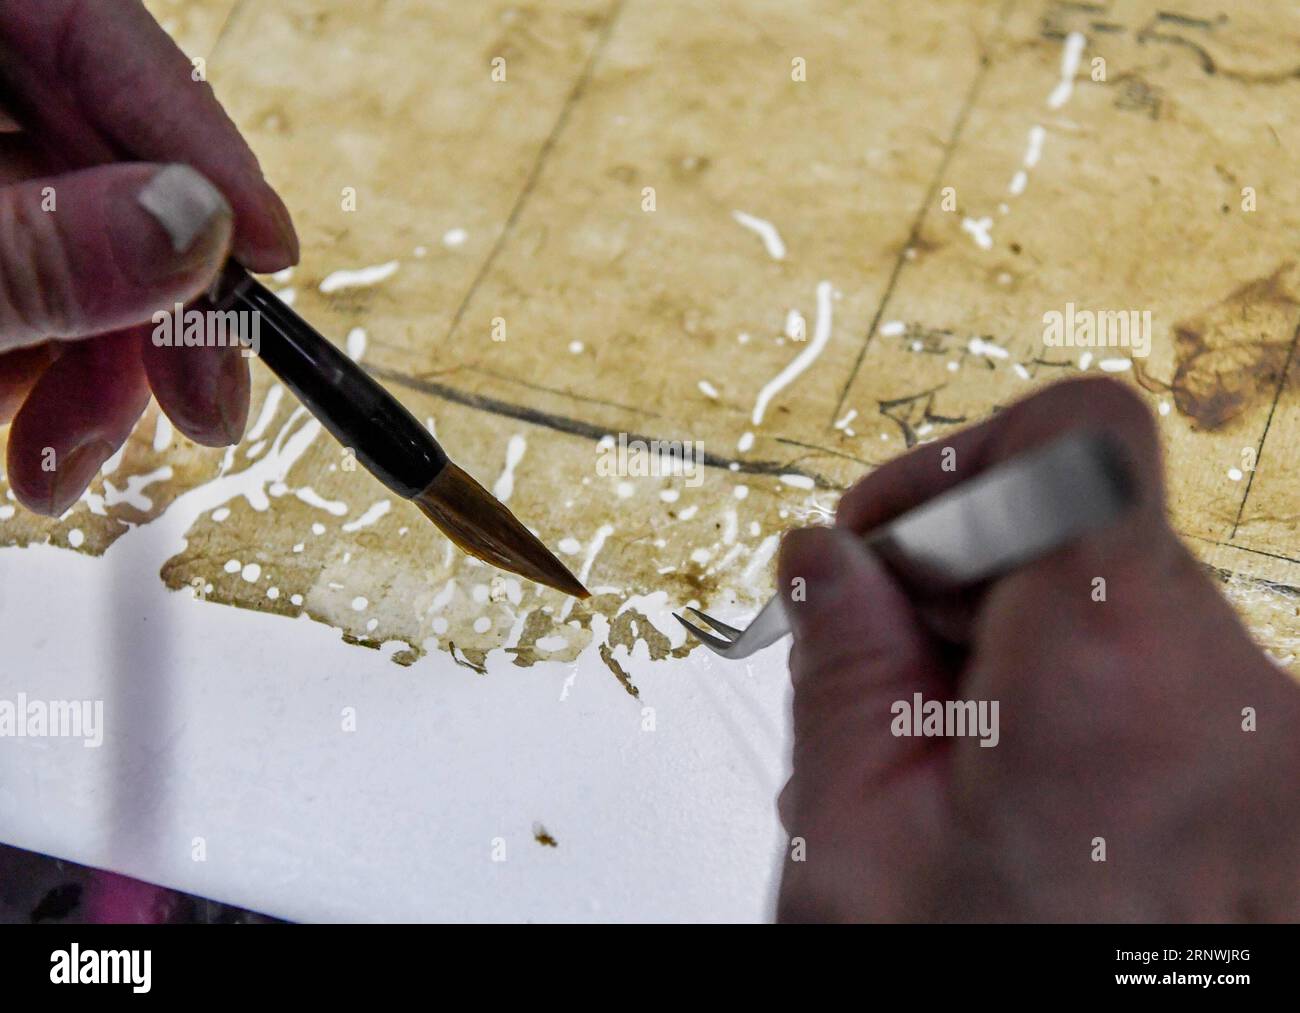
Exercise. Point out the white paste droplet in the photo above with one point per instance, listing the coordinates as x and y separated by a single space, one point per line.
360 277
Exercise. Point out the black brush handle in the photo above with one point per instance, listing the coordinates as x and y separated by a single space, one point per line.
399 451
361 414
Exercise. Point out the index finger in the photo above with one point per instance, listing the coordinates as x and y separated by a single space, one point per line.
97 81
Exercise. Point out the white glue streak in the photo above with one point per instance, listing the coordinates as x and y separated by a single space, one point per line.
1035 149
821 335
312 498
766 231
269 407
597 543
165 536
370 516
979 230
274 467
133 493
111 464
978 346
362 276
441 599
1070 55
505 485
762 555
1074 43
1033 152
593 550
162 434
356 343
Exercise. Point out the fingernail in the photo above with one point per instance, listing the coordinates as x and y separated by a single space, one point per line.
288 234
74 472
187 207
231 399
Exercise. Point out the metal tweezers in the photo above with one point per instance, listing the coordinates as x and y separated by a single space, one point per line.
1015 512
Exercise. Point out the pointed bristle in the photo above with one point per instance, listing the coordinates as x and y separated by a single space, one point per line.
481 525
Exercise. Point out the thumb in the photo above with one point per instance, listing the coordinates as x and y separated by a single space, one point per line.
858 648
105 248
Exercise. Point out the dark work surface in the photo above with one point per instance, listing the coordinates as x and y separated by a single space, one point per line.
40 889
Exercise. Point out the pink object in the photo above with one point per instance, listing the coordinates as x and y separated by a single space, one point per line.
117 900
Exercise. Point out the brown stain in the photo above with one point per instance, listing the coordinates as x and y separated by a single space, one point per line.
542 837
634 567
406 658
401 574
629 626
620 673
1137 95
411 320
1231 356
399 589
537 624
468 657
625 630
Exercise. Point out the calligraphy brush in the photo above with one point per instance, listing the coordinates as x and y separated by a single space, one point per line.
393 446
360 413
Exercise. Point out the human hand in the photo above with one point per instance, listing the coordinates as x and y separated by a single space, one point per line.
1121 721
92 254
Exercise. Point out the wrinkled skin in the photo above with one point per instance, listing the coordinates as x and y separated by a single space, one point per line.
1120 720
81 280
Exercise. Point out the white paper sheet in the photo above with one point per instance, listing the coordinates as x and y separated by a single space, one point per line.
224 740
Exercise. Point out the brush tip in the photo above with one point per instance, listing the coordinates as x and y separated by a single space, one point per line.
481 525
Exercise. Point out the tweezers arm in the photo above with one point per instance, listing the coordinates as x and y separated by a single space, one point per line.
1014 513
1008 516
